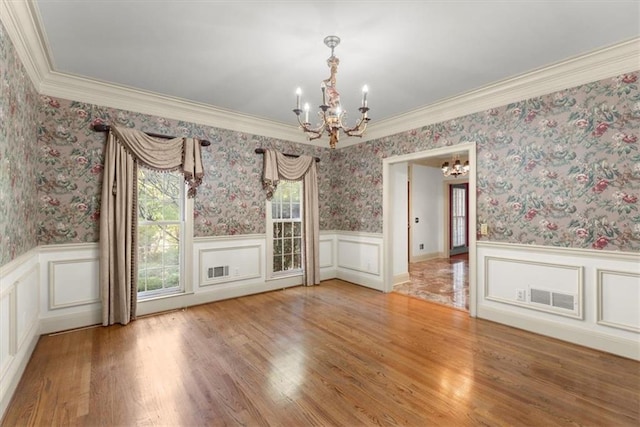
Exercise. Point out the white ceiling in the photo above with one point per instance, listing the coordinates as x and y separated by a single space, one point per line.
248 56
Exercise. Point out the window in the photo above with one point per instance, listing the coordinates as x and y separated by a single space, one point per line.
284 225
459 220
162 233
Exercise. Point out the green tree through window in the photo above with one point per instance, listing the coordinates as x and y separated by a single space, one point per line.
160 231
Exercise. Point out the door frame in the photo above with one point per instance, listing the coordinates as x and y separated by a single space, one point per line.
390 214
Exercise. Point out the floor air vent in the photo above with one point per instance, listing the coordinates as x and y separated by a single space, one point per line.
553 299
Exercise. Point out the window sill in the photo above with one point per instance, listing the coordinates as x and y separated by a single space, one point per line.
287 275
163 296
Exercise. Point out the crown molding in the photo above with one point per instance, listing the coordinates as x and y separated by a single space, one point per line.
105 94
607 62
22 23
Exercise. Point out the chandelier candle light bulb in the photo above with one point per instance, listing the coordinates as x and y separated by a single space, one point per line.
331 112
457 169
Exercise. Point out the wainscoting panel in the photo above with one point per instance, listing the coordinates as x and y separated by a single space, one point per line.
534 278
584 296
7 329
359 258
327 256
619 299
64 274
19 320
69 289
27 301
326 252
230 263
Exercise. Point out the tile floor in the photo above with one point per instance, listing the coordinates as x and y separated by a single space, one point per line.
443 280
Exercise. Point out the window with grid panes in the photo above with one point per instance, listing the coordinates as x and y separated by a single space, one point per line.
161 227
285 228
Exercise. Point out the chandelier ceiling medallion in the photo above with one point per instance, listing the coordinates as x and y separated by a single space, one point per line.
457 169
331 113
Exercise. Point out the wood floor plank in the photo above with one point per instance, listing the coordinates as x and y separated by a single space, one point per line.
332 355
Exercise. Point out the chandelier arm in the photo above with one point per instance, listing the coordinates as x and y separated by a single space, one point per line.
356 127
361 124
308 129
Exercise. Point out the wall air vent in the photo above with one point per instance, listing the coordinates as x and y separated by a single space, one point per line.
553 299
565 301
221 271
540 296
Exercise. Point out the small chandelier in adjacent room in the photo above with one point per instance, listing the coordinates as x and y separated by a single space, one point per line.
457 169
331 113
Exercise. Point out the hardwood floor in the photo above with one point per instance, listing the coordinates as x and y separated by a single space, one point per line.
331 355
440 280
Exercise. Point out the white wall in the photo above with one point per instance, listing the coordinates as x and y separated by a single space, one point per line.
399 178
427 204
69 295
359 258
605 287
67 284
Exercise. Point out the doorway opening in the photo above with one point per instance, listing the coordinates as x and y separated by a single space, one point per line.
400 263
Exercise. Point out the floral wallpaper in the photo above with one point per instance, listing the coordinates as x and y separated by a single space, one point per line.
18 118
559 170
229 201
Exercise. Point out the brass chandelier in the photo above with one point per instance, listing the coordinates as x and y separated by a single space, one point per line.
331 113
457 169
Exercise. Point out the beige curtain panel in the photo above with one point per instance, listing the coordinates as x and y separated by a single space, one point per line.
125 150
277 166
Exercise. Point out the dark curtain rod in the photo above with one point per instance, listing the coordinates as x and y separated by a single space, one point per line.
106 128
262 150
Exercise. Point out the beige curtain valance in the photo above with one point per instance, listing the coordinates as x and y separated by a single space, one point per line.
278 166
164 155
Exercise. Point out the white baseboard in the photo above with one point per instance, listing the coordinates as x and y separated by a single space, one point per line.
214 293
363 279
588 338
328 273
69 321
401 278
427 257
